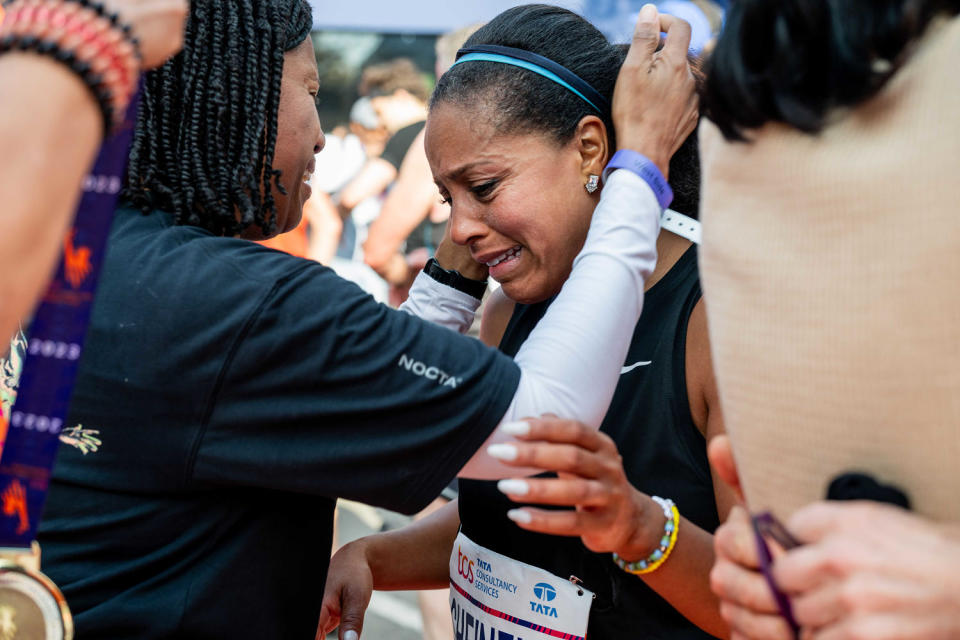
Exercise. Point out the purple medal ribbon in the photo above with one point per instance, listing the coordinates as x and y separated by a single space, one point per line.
57 335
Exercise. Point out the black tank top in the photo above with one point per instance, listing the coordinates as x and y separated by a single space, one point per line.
663 453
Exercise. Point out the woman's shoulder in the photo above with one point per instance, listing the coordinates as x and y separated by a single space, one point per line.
157 245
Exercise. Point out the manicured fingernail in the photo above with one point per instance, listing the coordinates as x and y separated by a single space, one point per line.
648 11
520 516
502 451
351 635
514 487
518 428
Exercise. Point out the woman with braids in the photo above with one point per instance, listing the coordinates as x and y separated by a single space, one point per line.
234 392
831 267
529 131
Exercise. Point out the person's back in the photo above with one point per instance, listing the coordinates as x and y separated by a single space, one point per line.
131 515
830 266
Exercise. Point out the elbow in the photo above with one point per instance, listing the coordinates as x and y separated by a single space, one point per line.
378 254
375 260
348 201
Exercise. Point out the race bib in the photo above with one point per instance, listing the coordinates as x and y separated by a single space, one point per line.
493 597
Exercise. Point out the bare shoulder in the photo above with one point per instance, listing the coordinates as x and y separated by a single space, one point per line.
496 316
705 399
701 385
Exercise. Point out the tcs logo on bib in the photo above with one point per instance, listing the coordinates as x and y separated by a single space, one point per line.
464 566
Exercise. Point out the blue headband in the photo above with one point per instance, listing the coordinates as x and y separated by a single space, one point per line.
539 65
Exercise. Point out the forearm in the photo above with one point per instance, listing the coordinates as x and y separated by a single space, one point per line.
684 579
50 130
395 270
374 177
416 556
326 227
402 211
382 245
437 303
570 363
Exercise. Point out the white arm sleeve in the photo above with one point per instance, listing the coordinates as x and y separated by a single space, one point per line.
440 304
570 363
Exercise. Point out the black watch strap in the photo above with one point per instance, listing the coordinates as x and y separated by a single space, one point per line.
475 288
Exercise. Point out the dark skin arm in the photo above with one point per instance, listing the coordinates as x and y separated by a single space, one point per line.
414 557
429 543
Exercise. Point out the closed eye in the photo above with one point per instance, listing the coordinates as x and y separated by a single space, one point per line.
485 189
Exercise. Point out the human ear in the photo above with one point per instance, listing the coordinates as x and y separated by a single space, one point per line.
591 140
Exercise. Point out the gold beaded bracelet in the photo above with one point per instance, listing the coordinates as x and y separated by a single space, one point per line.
667 542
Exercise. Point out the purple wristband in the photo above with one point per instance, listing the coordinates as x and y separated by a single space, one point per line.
643 167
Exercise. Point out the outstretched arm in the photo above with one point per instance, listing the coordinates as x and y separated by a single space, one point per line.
414 557
410 200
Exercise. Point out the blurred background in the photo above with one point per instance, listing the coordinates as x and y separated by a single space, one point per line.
347 40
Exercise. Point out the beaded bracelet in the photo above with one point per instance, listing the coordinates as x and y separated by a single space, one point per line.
84 36
669 540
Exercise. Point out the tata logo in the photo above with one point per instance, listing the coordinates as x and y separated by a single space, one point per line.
464 566
544 593
418 368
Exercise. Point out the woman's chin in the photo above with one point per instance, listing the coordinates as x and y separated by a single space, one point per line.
523 292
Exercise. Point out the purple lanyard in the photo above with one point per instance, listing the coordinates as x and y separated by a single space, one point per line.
57 334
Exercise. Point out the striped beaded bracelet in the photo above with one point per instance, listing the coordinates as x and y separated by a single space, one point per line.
84 36
669 540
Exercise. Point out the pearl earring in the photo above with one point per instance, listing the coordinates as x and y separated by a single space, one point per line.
592 183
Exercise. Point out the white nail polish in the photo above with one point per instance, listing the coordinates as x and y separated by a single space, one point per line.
521 516
351 635
502 451
518 428
514 487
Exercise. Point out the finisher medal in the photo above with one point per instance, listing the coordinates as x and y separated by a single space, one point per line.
31 606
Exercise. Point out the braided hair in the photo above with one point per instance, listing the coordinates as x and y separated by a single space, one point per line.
206 132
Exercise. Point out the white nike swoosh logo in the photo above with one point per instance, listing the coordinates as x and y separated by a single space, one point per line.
634 366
